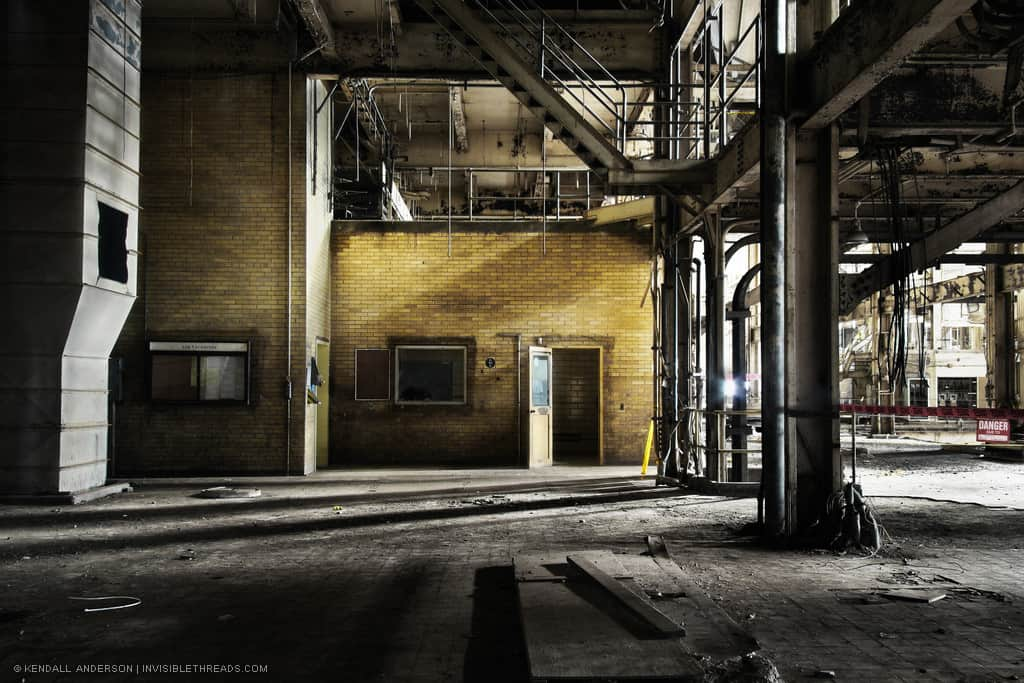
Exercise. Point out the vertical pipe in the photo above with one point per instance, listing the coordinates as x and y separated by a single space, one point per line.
684 347
450 135
288 369
707 84
723 116
355 94
773 259
714 262
739 401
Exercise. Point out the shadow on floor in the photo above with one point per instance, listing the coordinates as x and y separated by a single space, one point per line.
496 651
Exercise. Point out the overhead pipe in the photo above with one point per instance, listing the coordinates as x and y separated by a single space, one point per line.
745 241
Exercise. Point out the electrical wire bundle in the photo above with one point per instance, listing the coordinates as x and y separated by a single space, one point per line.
891 187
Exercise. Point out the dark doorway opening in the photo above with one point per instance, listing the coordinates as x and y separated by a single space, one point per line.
576 394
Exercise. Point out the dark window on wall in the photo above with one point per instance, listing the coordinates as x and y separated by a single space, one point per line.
194 372
430 374
919 392
112 245
373 374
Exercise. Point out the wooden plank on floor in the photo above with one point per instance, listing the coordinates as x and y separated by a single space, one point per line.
570 635
710 630
636 604
554 567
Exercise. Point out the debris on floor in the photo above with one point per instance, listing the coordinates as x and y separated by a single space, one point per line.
229 492
749 668
913 596
131 601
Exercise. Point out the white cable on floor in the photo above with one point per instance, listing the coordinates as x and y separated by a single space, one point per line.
135 602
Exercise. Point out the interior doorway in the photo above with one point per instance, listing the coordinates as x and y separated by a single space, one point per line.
576 395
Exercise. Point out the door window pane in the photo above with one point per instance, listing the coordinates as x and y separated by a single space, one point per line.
540 379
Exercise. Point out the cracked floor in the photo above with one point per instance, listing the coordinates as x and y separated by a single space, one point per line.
404 575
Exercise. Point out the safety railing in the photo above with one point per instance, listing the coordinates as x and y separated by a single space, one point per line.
566 194
719 458
606 102
717 94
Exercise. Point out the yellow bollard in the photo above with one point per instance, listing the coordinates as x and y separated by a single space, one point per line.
647 450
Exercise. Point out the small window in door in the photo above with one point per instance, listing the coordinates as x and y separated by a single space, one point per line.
540 374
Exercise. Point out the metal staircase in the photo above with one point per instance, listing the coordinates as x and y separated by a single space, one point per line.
531 62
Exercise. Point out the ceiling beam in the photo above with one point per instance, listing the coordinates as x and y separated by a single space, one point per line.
866 44
924 252
691 13
318 22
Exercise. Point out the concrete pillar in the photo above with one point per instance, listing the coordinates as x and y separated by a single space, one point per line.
1000 359
69 167
812 382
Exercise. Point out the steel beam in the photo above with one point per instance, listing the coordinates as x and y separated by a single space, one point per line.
625 45
690 16
318 23
924 252
654 175
508 66
868 42
988 258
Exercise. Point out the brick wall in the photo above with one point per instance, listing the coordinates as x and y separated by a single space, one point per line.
214 232
392 288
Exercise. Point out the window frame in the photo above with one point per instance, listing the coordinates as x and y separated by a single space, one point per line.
355 374
433 347
201 349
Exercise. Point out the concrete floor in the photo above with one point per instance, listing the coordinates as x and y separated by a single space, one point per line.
403 575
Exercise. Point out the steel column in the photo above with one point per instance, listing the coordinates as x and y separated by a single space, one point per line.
1000 387
773 261
739 315
714 262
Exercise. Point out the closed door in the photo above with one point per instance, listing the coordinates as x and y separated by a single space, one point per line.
323 409
540 417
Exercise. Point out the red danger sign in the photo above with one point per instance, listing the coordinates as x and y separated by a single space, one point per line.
993 430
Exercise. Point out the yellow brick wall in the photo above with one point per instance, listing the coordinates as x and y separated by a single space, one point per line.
398 287
213 230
